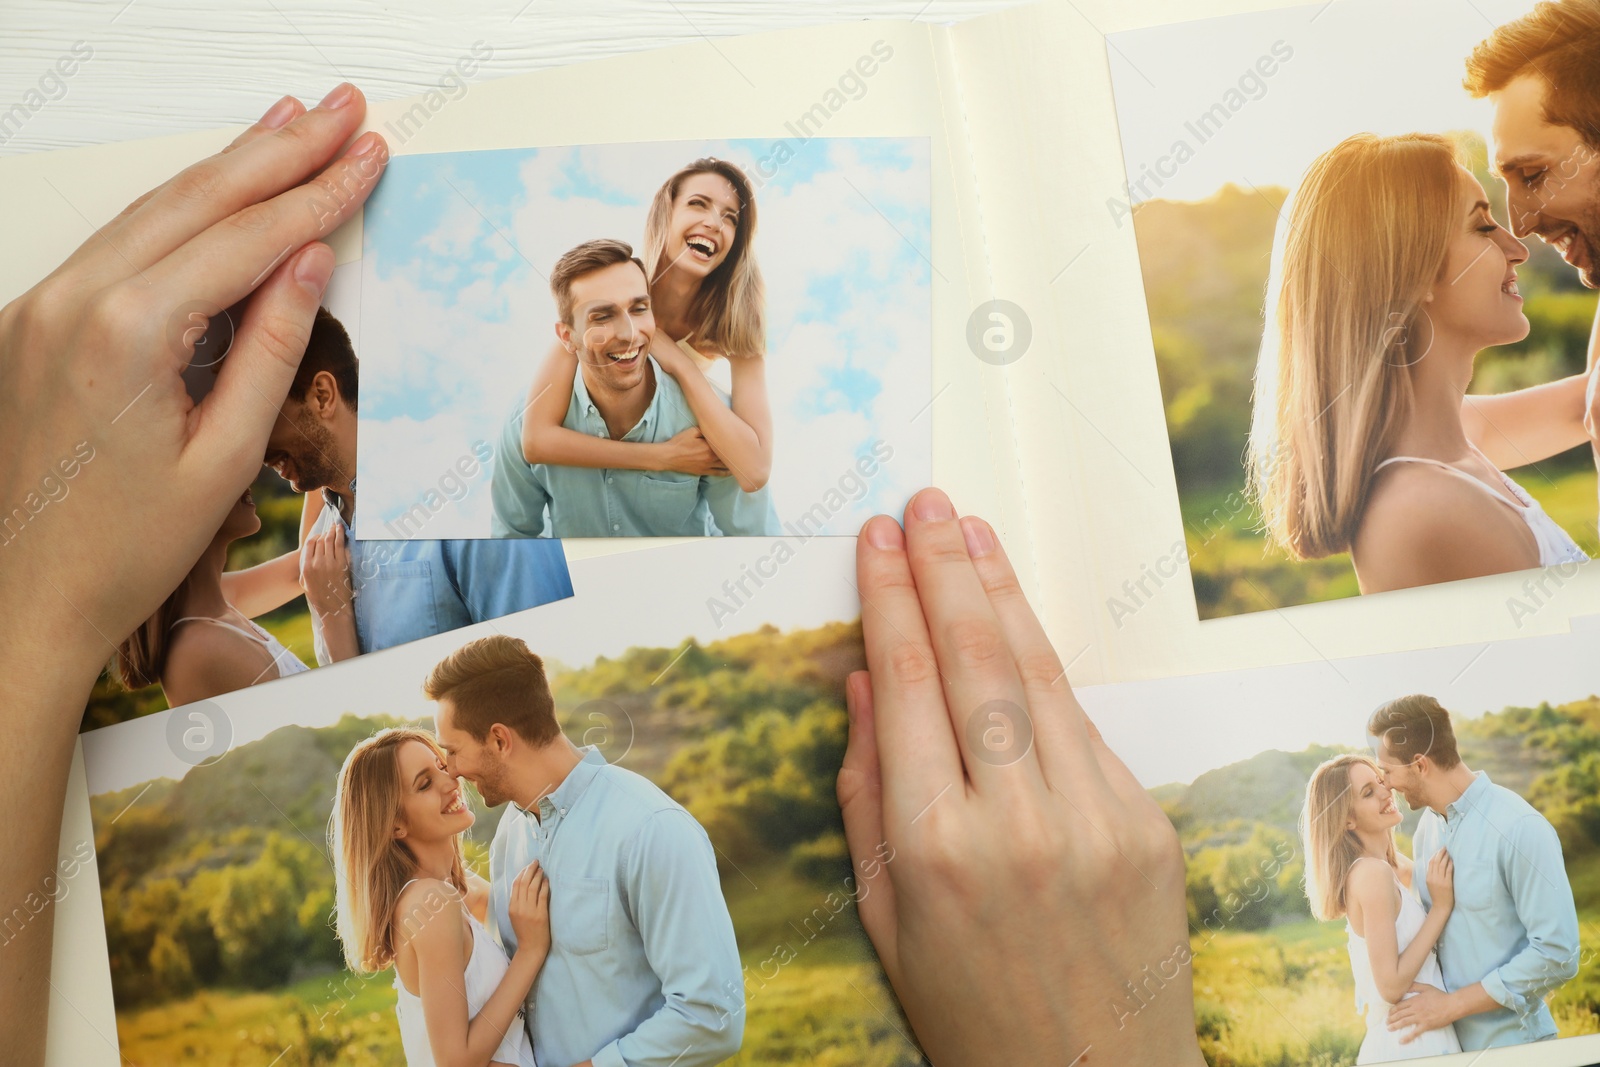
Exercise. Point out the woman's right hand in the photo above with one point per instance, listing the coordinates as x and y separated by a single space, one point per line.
530 909
1442 880
688 452
325 572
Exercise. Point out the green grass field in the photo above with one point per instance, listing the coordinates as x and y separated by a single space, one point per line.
1284 997
814 996
1236 571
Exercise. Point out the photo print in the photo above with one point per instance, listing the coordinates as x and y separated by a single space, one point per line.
647 339
1368 235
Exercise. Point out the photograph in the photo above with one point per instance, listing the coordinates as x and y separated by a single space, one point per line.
283 587
666 339
1369 236
1389 858
560 837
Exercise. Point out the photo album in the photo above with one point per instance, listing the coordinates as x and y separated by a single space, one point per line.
1265 337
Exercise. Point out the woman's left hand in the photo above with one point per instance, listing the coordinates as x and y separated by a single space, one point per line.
325 572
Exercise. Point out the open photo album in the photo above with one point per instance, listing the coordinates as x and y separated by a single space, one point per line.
1264 336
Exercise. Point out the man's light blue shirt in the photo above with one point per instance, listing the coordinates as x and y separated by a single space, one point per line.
643 968
406 590
599 502
1515 926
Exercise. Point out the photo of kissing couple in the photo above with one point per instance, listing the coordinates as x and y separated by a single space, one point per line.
600 938
1414 345
646 339
359 596
1458 945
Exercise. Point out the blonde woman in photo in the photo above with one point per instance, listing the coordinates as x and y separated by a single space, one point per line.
1353 872
1393 276
406 900
709 303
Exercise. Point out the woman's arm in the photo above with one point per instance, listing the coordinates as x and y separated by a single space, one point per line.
1527 425
325 571
742 436
270 585
1374 890
439 940
546 440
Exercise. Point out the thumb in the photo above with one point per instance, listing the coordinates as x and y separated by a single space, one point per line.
234 421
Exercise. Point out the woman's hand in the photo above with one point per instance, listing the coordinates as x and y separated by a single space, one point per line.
1012 873
688 452
90 363
530 910
1442 881
325 572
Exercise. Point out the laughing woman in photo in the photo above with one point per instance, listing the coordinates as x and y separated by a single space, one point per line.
406 900
1394 276
709 303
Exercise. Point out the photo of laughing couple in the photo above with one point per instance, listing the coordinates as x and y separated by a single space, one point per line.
1428 246
600 938
647 339
288 537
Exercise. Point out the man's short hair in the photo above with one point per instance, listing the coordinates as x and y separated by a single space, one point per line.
586 259
1559 42
329 349
496 679
1415 726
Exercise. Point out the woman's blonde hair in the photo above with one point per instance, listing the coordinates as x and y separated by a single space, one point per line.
1331 847
372 865
730 310
1368 235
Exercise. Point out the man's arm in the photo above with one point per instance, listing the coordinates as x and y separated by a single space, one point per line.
518 496
675 897
1537 879
500 577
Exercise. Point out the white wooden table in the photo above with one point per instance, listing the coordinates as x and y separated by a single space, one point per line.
167 66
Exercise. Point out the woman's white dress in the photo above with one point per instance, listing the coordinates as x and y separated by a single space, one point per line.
1381 1044
484 970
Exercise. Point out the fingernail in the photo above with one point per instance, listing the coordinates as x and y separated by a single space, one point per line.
278 114
313 269
979 538
932 506
883 532
342 94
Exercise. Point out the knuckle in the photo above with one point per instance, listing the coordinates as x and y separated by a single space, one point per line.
910 665
975 641
199 184
255 219
1038 668
281 338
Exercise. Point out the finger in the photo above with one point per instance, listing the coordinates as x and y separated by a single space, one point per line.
983 691
284 111
225 263
860 792
917 754
222 185
1054 719
233 422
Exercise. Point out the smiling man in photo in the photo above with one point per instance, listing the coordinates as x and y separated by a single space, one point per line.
619 392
